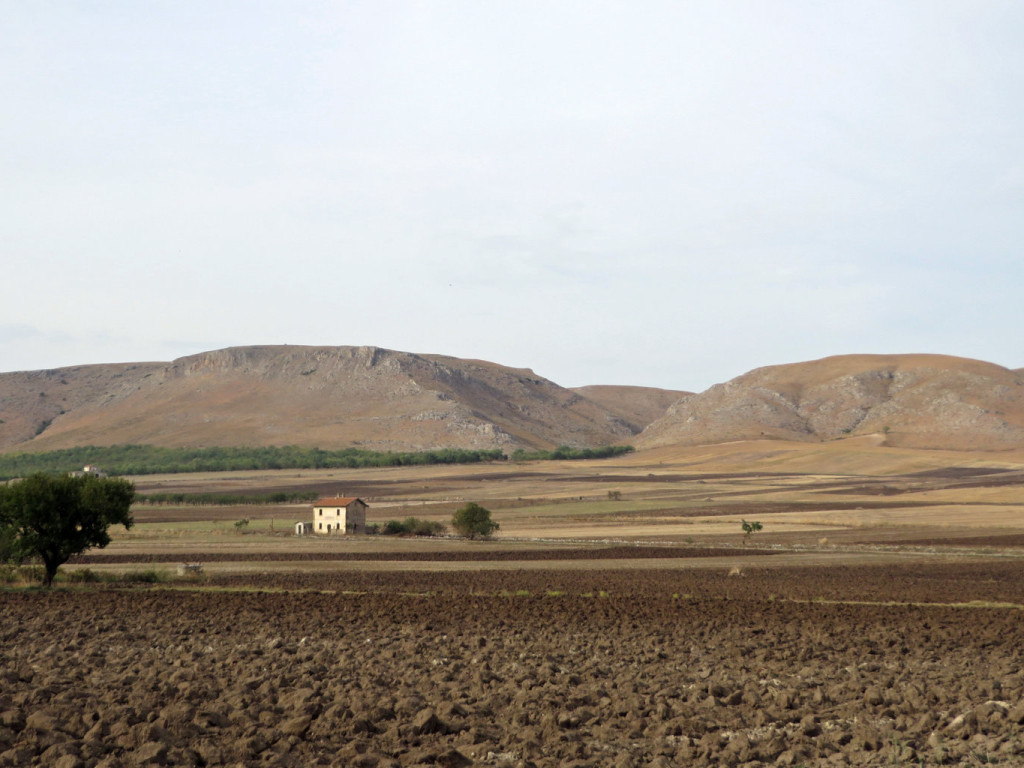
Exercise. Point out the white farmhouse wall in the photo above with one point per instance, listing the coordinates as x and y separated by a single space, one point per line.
339 515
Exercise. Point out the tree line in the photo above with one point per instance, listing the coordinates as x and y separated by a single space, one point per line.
151 459
226 499
567 453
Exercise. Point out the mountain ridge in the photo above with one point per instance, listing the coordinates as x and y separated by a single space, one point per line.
367 397
380 399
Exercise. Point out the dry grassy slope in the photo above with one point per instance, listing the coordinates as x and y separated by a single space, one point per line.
920 401
31 400
856 456
637 406
316 396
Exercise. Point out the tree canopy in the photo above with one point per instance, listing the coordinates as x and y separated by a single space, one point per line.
54 517
750 528
471 520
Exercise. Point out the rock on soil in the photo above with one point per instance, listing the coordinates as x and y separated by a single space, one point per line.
611 675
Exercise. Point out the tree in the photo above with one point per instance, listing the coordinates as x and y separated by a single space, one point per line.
54 517
749 528
471 520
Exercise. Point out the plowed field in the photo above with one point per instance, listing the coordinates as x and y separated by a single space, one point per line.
518 668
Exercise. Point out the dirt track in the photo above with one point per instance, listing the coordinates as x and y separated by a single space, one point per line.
587 669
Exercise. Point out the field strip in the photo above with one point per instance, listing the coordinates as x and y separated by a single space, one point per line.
553 594
748 562
971 604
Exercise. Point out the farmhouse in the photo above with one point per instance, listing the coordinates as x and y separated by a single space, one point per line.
89 470
339 514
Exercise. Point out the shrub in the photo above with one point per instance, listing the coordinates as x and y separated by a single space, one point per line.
394 528
419 527
143 577
413 526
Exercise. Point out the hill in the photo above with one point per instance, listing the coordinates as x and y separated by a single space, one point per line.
379 399
636 406
917 401
330 397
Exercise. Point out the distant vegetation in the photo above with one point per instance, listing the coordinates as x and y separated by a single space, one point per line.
750 528
411 526
150 459
564 452
225 499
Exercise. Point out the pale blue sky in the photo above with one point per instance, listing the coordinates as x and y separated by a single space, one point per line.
656 193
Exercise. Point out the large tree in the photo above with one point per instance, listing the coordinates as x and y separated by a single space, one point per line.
472 520
54 517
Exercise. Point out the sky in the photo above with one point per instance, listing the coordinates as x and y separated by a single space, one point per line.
662 194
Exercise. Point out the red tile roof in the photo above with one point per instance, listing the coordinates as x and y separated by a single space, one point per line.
336 501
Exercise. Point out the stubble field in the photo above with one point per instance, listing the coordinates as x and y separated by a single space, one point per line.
876 620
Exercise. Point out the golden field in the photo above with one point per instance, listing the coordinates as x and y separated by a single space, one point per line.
846 500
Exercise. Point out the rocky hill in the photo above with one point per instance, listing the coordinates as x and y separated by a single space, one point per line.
330 397
920 401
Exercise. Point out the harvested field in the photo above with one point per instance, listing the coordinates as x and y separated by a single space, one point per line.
618 619
780 667
464 556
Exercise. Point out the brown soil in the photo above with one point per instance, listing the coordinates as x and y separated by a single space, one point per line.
587 669
607 553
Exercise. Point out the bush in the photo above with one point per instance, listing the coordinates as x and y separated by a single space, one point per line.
413 526
419 527
472 521
143 577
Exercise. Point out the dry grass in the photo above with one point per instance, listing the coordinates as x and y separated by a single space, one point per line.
852 494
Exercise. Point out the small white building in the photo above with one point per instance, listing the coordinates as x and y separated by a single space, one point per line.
302 528
89 470
339 514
